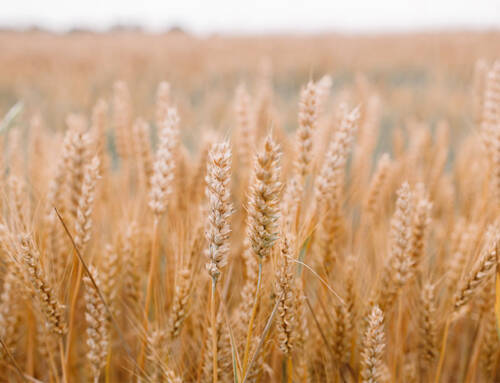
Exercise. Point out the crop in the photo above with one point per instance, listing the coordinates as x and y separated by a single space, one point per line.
135 247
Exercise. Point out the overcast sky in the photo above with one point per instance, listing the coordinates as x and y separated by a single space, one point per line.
254 16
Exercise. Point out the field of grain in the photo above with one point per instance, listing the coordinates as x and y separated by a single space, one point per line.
249 209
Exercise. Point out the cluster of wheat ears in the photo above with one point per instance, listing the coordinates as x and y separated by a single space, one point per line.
259 256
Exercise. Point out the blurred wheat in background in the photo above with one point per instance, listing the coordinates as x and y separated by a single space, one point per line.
249 209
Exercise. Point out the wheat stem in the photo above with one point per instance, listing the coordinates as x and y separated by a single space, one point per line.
289 369
443 351
72 313
63 364
252 319
214 329
149 289
107 377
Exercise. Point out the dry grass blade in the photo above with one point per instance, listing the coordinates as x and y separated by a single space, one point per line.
11 115
13 361
101 297
319 278
262 339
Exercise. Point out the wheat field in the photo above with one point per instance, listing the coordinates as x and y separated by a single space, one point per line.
249 209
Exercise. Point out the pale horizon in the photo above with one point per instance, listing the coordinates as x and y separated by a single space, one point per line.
258 17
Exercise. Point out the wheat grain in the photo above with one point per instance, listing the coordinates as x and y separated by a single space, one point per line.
164 165
97 326
373 348
220 209
263 210
46 297
479 272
